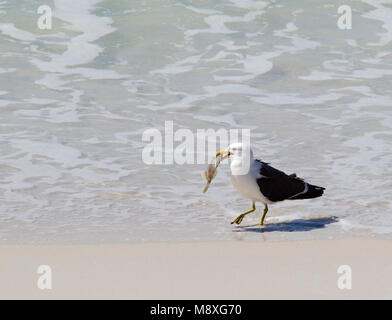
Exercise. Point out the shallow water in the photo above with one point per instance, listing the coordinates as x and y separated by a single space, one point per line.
76 99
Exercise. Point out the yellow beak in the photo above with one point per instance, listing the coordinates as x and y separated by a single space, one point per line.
222 152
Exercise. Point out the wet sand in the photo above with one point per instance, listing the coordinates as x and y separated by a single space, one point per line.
216 270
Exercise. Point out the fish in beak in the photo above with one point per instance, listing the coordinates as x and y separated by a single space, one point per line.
211 171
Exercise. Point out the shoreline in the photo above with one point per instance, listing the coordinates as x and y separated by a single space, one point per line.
200 270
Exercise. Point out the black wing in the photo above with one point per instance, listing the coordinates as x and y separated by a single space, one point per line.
275 185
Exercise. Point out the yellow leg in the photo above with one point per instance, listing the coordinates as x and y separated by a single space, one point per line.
239 219
264 214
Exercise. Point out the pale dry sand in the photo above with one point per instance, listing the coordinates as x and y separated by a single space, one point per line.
219 270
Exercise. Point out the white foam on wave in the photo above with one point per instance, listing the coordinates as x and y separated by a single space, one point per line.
295 98
243 66
369 67
184 65
201 10
56 159
382 13
249 4
81 49
352 225
367 73
231 89
217 22
256 65
10 30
